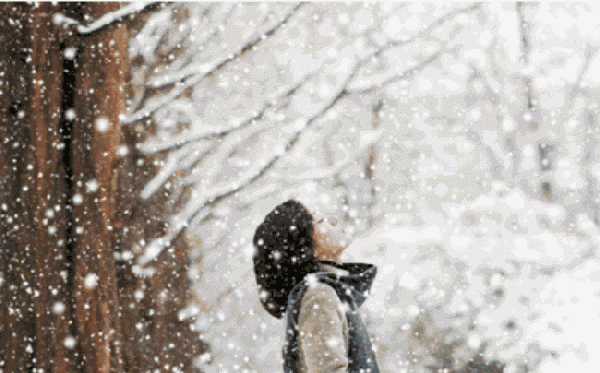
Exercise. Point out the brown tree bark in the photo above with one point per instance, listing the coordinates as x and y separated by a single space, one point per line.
69 207
52 311
17 191
98 102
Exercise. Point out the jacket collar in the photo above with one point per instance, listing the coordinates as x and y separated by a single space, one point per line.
354 285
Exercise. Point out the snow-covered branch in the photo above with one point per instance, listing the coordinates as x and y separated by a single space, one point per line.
105 20
180 159
201 71
157 144
405 75
112 17
396 44
203 198
428 30
146 42
216 64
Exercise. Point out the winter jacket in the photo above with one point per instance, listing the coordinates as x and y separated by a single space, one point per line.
325 333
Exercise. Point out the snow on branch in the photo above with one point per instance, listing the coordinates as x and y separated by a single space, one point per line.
367 138
395 44
407 74
427 31
204 199
201 71
112 17
177 160
195 68
161 81
61 19
105 20
145 43
157 144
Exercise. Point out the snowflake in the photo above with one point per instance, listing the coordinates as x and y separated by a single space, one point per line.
102 124
91 185
91 280
333 342
58 308
69 342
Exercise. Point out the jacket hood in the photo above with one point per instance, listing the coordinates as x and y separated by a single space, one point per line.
353 287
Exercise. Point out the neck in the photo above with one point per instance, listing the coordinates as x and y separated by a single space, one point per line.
329 257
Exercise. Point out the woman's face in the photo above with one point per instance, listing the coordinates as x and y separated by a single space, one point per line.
328 238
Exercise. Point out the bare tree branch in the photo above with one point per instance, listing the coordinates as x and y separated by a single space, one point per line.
394 44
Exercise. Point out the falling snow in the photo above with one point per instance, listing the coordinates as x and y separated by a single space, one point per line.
58 308
449 213
70 54
77 199
91 280
91 185
69 342
454 146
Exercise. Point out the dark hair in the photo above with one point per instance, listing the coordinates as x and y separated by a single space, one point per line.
283 254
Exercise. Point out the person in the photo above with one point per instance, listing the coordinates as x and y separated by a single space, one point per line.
299 275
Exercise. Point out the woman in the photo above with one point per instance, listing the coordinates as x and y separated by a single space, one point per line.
298 273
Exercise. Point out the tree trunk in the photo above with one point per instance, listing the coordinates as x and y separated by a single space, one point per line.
68 208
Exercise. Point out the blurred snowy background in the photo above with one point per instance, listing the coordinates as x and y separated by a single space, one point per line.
455 142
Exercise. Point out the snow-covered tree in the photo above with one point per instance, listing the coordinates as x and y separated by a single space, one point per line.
385 115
